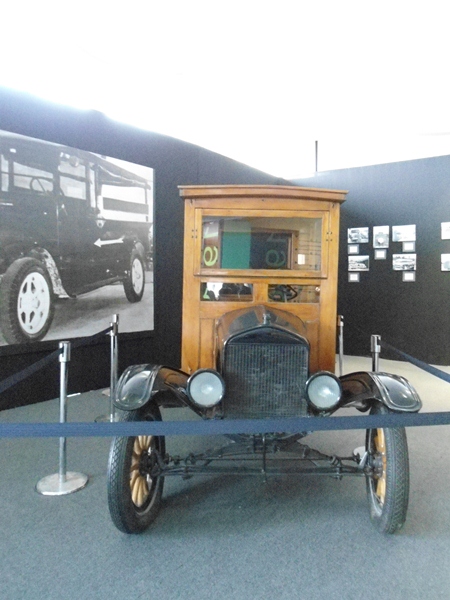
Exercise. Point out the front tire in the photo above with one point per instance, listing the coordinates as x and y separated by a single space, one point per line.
388 480
134 283
134 495
26 302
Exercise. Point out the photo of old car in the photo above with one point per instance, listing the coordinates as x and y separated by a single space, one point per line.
259 342
70 222
358 235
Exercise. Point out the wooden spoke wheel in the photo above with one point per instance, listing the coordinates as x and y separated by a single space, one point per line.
388 478
134 485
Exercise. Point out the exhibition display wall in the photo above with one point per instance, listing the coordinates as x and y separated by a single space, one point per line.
394 272
173 163
394 278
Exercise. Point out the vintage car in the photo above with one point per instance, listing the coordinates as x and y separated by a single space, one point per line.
258 342
70 222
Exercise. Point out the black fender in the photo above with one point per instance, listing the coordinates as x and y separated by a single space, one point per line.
140 384
395 392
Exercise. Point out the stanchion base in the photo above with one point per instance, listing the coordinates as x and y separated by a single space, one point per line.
53 486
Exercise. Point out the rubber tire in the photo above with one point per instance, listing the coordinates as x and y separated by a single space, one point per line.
126 516
390 515
129 284
10 290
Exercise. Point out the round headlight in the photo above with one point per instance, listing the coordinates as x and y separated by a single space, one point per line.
323 391
206 388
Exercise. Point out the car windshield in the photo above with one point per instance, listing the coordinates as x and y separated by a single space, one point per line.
261 243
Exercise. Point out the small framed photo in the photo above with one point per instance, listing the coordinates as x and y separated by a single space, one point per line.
353 277
404 262
445 231
408 276
380 254
445 262
409 247
358 235
358 263
353 248
381 236
404 233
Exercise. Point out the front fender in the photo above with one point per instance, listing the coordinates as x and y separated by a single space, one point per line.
138 384
395 392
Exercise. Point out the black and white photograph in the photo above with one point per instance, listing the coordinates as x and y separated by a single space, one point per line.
445 262
76 242
404 233
445 230
358 263
381 236
404 262
358 235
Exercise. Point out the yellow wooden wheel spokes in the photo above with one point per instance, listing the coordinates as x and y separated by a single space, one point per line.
139 484
380 448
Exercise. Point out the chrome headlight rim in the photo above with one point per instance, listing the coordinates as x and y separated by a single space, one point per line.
194 392
322 403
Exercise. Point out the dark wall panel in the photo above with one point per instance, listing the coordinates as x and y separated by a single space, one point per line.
411 316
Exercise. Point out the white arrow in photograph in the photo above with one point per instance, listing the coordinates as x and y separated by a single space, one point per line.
101 243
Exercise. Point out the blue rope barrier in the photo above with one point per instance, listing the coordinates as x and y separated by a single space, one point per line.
415 361
216 427
222 427
418 363
28 371
43 362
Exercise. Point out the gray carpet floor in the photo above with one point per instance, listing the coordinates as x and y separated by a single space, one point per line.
302 537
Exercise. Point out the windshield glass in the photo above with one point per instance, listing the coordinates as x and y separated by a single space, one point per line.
261 243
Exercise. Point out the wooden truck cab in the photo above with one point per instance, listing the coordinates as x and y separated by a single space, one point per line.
260 245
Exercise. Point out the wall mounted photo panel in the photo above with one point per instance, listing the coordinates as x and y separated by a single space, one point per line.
358 263
76 242
381 236
445 262
445 231
358 235
404 233
404 262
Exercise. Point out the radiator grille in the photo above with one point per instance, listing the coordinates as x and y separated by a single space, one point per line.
265 380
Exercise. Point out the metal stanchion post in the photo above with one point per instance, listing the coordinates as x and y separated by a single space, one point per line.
114 351
375 348
62 483
114 365
341 344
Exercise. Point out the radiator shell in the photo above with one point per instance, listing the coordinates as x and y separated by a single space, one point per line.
265 364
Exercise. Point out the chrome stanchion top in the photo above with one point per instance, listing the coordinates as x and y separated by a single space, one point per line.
375 348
